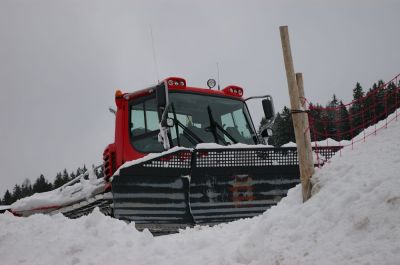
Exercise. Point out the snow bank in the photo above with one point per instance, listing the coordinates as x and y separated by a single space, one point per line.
64 195
4 207
352 218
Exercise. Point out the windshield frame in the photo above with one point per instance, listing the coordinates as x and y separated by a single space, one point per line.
135 101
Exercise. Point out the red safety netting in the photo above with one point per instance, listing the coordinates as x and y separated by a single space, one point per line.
347 124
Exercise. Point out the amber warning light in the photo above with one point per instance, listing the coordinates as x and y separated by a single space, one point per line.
118 93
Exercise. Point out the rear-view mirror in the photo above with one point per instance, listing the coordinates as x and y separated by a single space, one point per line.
161 96
268 107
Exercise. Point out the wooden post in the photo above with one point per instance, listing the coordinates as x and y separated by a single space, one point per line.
304 150
309 165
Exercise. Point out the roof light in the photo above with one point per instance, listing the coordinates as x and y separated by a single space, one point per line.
175 82
233 91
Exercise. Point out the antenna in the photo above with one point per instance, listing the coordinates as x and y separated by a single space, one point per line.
154 54
219 88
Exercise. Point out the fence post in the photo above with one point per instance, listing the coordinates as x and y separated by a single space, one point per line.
304 150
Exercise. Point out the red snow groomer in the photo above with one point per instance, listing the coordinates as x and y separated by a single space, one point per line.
184 156
207 163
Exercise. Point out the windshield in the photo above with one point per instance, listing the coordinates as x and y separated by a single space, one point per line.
197 119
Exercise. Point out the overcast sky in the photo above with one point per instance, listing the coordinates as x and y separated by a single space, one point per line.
61 61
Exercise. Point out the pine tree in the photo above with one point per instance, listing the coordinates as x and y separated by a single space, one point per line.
332 117
17 193
283 131
7 199
344 124
65 176
26 188
369 108
59 181
358 91
41 185
380 101
391 97
316 122
356 110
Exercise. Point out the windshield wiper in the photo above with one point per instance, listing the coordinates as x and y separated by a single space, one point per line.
186 130
215 125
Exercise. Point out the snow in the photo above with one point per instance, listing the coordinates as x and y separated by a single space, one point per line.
326 142
64 195
4 207
352 218
289 144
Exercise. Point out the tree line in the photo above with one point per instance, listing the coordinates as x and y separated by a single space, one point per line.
336 120
41 184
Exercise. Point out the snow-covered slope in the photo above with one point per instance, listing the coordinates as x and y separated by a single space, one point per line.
352 218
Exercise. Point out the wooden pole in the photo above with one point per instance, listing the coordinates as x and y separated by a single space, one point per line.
299 118
309 165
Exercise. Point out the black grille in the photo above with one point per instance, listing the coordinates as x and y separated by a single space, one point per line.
255 156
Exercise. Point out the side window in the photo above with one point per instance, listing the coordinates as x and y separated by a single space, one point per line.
137 120
144 117
144 127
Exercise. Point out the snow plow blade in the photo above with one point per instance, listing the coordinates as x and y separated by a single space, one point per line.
154 193
205 185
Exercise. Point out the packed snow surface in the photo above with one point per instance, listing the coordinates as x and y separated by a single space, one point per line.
352 218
